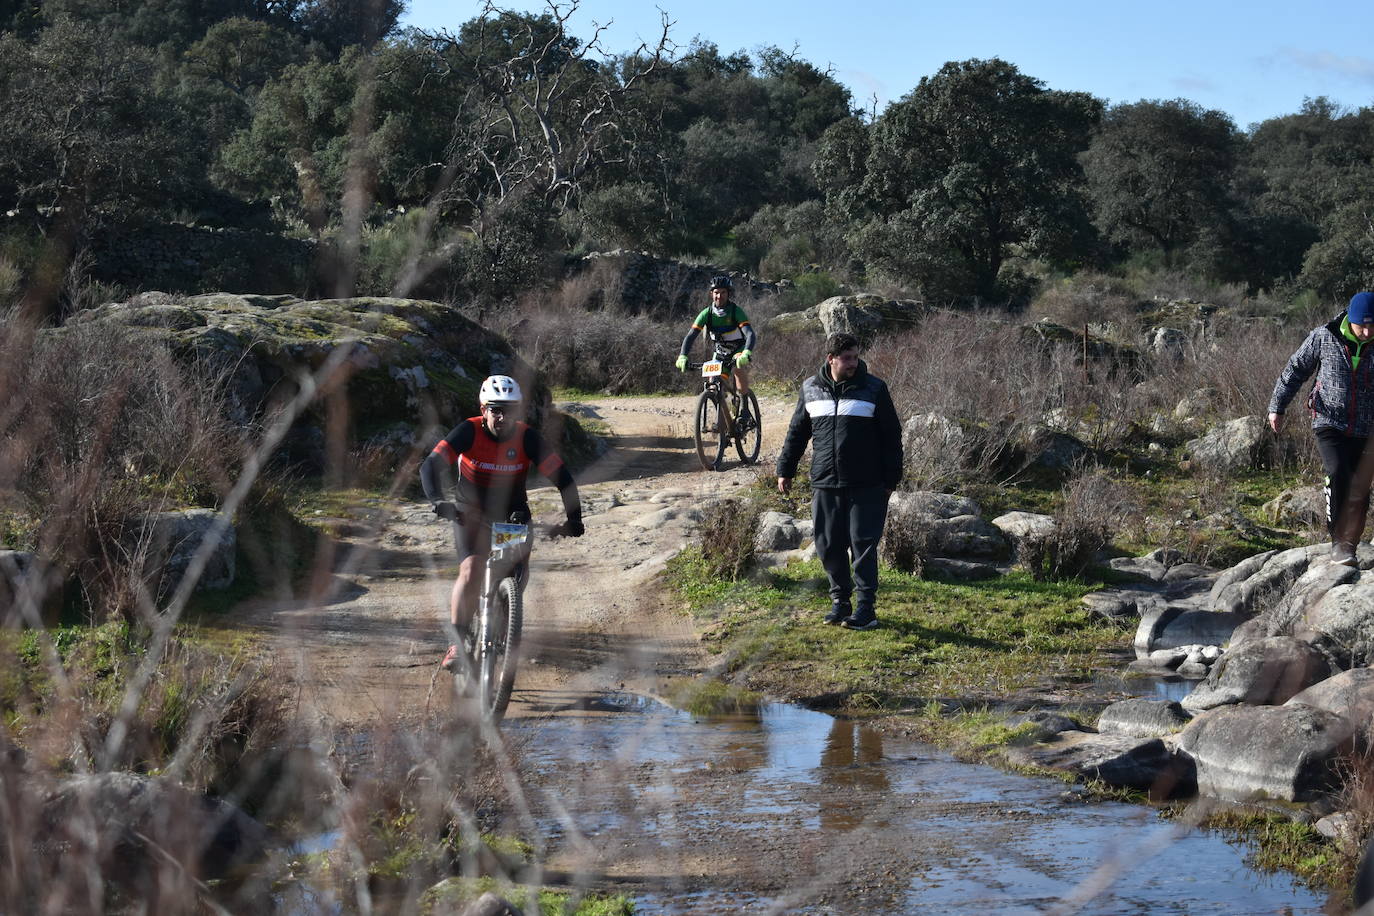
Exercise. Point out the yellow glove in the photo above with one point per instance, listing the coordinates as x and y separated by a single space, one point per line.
681 364
742 358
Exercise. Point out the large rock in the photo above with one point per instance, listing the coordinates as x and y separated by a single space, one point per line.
1251 753
1019 526
1053 450
1259 673
1342 624
865 315
1289 615
1349 694
1173 626
1117 760
777 531
173 540
146 836
30 590
1300 506
398 361
1141 717
1262 579
1227 447
966 536
939 505
932 446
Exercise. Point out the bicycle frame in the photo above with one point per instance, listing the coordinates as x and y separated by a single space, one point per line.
721 384
490 653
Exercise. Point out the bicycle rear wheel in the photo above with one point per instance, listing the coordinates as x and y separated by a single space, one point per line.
498 650
748 442
708 431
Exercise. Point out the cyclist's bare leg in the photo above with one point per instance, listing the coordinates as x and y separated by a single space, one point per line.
475 544
741 377
463 602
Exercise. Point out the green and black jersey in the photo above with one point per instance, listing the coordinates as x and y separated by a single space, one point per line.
730 330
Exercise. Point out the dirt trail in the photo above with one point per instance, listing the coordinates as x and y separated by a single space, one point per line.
366 644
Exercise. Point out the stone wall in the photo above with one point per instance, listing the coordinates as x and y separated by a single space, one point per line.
643 284
195 259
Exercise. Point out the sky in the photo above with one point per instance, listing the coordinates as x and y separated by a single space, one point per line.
1254 60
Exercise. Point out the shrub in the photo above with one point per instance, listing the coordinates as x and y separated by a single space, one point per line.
1094 509
101 428
727 538
906 541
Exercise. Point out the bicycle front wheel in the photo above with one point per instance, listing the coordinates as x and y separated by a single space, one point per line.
498 652
747 443
708 430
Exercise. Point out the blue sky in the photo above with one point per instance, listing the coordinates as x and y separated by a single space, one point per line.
1252 61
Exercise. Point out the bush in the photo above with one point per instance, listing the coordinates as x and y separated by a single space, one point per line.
101 428
906 541
727 538
1095 508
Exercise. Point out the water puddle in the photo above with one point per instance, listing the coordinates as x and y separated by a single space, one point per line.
795 811
1120 685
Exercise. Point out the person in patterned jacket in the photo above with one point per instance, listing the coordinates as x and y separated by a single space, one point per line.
494 453
1342 407
856 462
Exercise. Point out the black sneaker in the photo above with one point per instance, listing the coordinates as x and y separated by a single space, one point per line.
862 619
839 610
1343 554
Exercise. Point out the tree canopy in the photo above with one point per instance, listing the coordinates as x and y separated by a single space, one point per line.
487 150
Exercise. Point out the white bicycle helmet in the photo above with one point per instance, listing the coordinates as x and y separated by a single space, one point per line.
500 389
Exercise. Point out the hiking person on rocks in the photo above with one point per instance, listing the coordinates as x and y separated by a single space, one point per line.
856 463
1342 407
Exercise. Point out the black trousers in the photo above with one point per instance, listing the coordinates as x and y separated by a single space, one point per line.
849 524
1340 455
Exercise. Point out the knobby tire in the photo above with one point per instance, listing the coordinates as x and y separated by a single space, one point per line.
499 653
707 431
747 444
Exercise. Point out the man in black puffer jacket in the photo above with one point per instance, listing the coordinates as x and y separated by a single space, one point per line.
856 463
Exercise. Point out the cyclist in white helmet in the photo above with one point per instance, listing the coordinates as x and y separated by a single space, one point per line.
494 453
729 329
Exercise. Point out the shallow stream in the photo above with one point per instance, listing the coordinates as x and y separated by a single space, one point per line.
795 811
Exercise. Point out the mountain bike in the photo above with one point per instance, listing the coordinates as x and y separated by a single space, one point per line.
717 416
491 644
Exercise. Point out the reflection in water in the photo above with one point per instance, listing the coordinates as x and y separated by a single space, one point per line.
792 811
850 763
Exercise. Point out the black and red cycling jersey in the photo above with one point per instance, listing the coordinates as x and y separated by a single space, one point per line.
492 472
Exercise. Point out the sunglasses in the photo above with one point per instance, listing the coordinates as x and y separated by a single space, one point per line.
497 410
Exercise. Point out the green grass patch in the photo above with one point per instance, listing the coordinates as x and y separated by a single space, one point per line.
454 894
937 639
1282 844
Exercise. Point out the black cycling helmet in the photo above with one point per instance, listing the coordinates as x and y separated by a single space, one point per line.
722 282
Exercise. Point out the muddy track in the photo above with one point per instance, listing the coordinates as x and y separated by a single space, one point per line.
365 642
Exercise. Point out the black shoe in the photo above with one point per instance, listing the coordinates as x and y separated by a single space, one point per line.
1343 554
839 610
862 619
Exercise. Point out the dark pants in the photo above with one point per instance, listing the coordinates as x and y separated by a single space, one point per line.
1340 456
849 523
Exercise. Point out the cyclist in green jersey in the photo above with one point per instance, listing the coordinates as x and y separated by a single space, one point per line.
732 335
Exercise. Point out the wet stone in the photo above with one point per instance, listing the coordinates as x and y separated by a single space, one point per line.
1142 718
